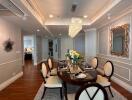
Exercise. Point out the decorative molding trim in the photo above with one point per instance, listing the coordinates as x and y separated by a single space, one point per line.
122 84
130 19
91 29
108 8
128 11
129 78
104 56
11 80
10 61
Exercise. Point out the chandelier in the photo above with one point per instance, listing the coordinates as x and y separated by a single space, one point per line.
75 26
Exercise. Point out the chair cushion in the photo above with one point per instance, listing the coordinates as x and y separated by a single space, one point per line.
53 71
53 81
103 81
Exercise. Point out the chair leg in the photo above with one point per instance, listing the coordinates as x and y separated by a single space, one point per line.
65 90
110 91
43 93
61 93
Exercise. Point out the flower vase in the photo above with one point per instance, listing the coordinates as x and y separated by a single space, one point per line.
75 66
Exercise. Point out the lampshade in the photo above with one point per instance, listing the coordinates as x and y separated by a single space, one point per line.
75 27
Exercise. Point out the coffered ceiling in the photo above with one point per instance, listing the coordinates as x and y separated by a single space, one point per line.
62 10
37 14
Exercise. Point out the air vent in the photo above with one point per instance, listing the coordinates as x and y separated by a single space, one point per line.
8 4
2 7
4 11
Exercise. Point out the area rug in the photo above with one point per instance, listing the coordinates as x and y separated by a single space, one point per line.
54 94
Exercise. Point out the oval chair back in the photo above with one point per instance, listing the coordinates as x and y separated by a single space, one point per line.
50 64
108 69
91 92
44 71
94 62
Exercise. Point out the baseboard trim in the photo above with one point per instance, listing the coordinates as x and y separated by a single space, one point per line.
11 80
122 84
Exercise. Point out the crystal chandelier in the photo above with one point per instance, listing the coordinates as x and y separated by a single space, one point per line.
75 27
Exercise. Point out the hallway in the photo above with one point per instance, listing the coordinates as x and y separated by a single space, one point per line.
24 88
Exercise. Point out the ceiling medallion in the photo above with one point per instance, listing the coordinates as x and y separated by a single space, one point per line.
75 26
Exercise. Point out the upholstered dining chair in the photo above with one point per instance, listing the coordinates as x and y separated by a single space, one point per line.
94 62
92 91
53 71
105 80
50 82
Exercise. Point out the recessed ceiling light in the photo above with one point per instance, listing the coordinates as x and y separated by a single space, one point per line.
51 16
85 16
38 30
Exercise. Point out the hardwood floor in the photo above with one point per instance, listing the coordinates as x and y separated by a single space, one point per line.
124 92
24 88
27 86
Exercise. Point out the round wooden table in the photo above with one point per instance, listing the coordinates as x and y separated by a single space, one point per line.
68 76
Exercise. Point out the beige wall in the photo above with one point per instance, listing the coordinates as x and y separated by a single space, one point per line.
66 43
10 62
44 48
90 44
122 65
79 43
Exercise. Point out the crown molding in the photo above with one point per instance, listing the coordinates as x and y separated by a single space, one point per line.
109 7
126 12
91 29
105 9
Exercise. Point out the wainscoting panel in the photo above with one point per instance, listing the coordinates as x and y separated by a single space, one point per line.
122 72
10 69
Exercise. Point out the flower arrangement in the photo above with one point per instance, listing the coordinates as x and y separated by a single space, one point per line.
73 55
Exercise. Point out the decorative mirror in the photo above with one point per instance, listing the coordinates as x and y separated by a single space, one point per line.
119 43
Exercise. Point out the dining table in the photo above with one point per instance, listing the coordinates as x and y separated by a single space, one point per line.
75 75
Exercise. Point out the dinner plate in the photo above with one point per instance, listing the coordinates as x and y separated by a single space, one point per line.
81 75
88 68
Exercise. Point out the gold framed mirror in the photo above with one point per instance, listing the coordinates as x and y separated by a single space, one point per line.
119 43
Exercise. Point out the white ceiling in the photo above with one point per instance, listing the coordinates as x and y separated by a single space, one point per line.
96 10
61 9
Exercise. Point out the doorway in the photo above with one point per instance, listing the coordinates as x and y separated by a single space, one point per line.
28 44
54 48
50 48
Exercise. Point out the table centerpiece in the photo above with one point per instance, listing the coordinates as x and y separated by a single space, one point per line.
73 57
